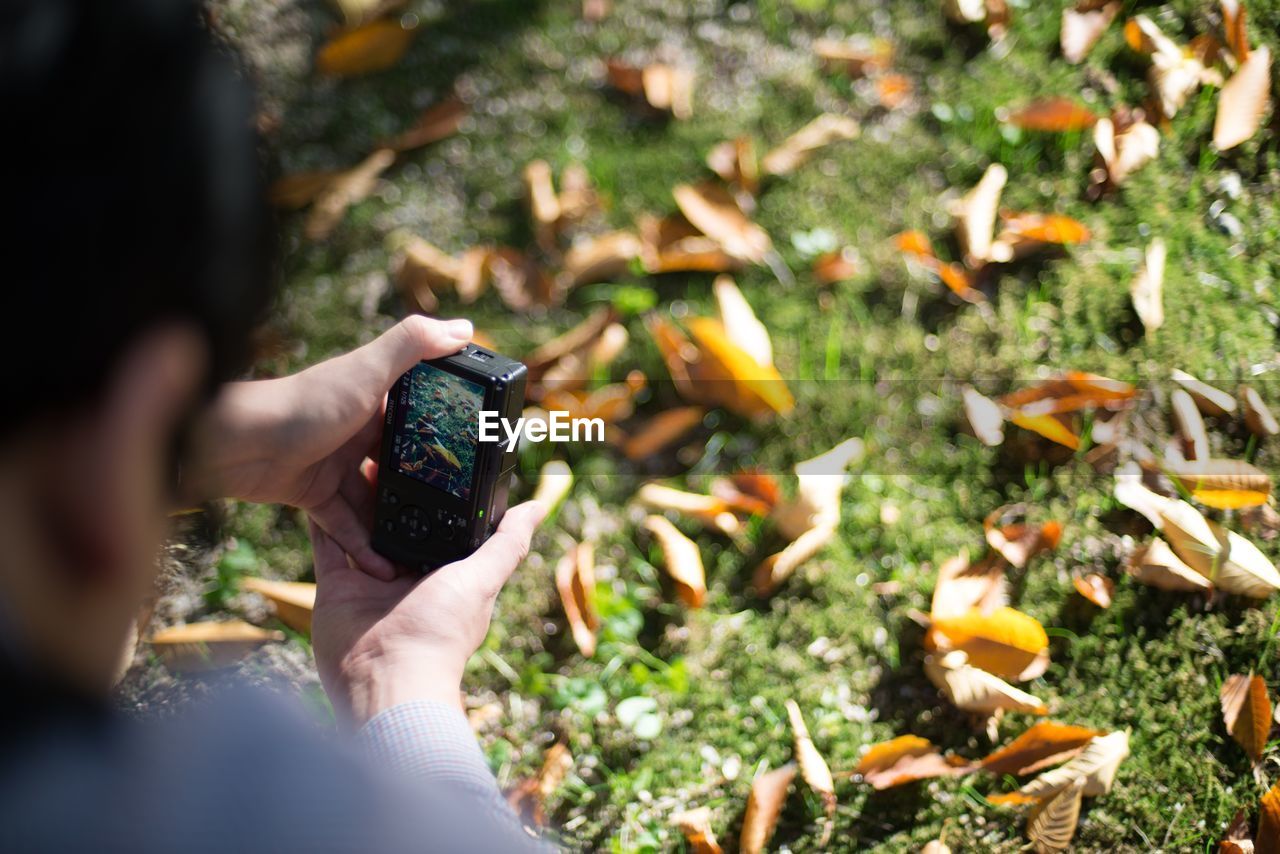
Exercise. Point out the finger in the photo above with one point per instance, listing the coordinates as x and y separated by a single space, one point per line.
492 564
342 523
326 554
360 493
408 342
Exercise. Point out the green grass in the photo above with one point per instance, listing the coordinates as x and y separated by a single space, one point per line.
880 357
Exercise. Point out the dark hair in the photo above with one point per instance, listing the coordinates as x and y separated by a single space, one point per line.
132 179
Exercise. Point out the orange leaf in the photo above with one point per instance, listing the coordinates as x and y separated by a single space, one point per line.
1052 115
438 121
682 559
1246 711
1043 744
914 243
893 90
1047 426
209 645
576 583
1008 643
838 266
293 600
764 806
1096 588
1268 839
730 374
713 211
662 430
957 278
1046 228
368 48
1018 543
1233 28
906 759
695 824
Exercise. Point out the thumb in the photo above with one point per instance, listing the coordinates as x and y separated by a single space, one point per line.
492 564
410 341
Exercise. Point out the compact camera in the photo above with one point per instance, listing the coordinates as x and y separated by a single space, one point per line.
441 491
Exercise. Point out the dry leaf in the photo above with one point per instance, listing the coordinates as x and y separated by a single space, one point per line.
1127 151
975 215
712 210
682 560
1096 765
555 479
935 846
1098 589
1018 543
668 89
764 806
838 266
1175 73
1233 29
856 56
1268 838
544 204
914 243
740 322
1186 417
368 48
707 509
296 191
1227 559
672 244
1246 712
695 824
747 492
1222 484
437 122
661 430
893 90
906 759
528 798
813 768
1083 26
423 269
1005 642
1243 100
209 645
796 149
1147 289
1236 839
730 376
569 344
1043 744
345 190
576 583
1257 417
519 281
963 586
975 690
1209 400
1052 822
984 417
735 162
1051 115
1156 565
293 600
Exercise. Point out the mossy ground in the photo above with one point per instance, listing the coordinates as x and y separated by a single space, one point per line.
878 357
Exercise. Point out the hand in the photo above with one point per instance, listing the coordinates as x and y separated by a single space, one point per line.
380 643
302 440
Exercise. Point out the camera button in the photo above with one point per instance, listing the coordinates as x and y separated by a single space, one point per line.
388 526
389 497
414 522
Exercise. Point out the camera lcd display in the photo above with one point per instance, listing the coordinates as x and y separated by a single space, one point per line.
436 442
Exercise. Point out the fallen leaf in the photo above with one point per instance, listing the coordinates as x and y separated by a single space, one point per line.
437 122
959 280
1047 426
1236 839
662 430
764 807
707 509
668 89
796 149
1257 417
576 583
1018 543
610 403
296 191
1191 429
1098 589
1005 642
366 49
293 600
735 162
682 560
984 417
519 281
857 56
695 824
1096 765
209 645
1125 152
544 204
1052 115
1268 838
740 322
813 768
838 266
1043 744
571 343
672 244
1209 400
423 270
963 586
974 690
935 846
1222 484
1175 73
893 90
712 210
735 378
529 797
906 759
555 479
750 493
1227 559
1082 26
975 215
1052 822
346 189
914 243
1157 566
1147 289
1243 100
1246 712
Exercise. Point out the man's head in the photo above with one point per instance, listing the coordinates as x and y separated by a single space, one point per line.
137 260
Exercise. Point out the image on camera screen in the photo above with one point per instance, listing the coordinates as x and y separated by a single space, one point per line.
436 442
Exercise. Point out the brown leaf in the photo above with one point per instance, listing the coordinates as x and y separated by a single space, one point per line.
984 417
575 341
1268 838
1005 642
668 89
750 493
662 430
1043 744
857 56
1052 822
735 162
1222 484
1018 543
796 149
519 281
576 583
1156 565
963 586
906 759
1098 589
1227 559
672 244
1243 100
1236 839
1191 429
293 600
296 191
974 690
423 270
1083 26
707 509
437 122
838 266
740 323
682 560
209 645
1233 29
1209 400
1052 115
529 797
1246 711
1147 289
764 807
346 189
366 49
1096 765
813 768
544 204
712 210
695 824
778 567
1257 417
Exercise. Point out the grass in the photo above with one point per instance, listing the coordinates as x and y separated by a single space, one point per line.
878 357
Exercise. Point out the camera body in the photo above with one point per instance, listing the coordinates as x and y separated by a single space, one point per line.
441 491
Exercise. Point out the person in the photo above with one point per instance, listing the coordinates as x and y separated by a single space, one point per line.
138 253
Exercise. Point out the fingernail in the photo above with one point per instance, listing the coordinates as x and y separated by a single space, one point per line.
460 329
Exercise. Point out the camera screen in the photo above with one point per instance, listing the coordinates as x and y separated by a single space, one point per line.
436 441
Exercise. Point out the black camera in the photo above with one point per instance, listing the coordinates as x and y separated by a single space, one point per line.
441 490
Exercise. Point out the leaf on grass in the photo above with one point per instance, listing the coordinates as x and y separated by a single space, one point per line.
1082 26
1147 288
1209 400
1005 642
960 281
712 210
1227 559
1017 542
707 509
1157 566
893 90
1052 822
1047 426
796 149
813 768
544 204
732 377
935 846
555 479
570 344
1233 29
1030 228
1190 426
1098 589
296 191
838 266
423 270
914 243
682 560
984 417
857 56
1257 417
209 645
778 567
695 824
610 403
734 160
660 431
764 807
1096 765
519 281
750 493
437 122
576 583
529 797
293 600
366 49
1243 100
1051 115
906 759
672 244
1246 712
975 690
740 322
665 88
345 190
1175 72
1222 484
963 586
1268 838
1043 744
975 215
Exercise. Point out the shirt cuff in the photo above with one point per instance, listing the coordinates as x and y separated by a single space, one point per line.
425 739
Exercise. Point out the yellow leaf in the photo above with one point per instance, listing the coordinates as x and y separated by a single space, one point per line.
1043 744
752 389
740 322
1047 426
682 560
209 645
1008 643
368 48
